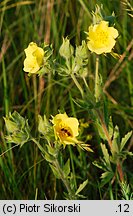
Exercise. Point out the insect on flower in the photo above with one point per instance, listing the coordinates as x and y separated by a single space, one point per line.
65 129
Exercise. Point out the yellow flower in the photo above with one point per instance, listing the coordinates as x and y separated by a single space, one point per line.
65 128
101 38
34 58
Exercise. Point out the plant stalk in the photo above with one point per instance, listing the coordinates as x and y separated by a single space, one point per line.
38 145
77 84
65 180
97 89
57 165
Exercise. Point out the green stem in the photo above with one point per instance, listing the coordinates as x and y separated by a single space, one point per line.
73 168
77 84
85 82
65 180
5 88
48 93
35 96
38 145
57 165
97 90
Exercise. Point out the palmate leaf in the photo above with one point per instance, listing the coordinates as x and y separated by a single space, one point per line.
125 139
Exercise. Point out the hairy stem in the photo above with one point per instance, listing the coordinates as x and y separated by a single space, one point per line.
97 90
105 129
64 180
77 84
60 171
38 145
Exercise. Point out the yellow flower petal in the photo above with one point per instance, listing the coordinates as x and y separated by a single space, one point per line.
59 117
31 65
101 38
30 49
34 58
73 124
113 32
65 128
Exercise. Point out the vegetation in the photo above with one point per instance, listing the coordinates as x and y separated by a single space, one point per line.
36 161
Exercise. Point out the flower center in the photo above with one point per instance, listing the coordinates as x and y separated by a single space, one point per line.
64 131
101 38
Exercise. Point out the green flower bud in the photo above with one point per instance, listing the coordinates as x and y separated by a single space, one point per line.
82 51
18 128
45 128
18 138
42 125
10 125
66 49
81 59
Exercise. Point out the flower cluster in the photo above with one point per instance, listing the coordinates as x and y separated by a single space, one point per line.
100 40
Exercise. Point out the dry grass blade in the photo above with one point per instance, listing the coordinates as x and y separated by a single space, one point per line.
16 5
5 46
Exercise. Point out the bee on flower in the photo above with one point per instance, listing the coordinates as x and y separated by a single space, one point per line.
34 58
66 129
101 37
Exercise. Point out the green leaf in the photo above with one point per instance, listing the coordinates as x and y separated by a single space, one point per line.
115 55
83 104
51 150
55 171
97 14
85 146
125 139
48 157
81 187
100 131
115 141
110 126
106 177
106 155
99 165
66 168
127 153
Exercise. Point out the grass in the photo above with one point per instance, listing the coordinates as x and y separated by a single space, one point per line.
24 174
